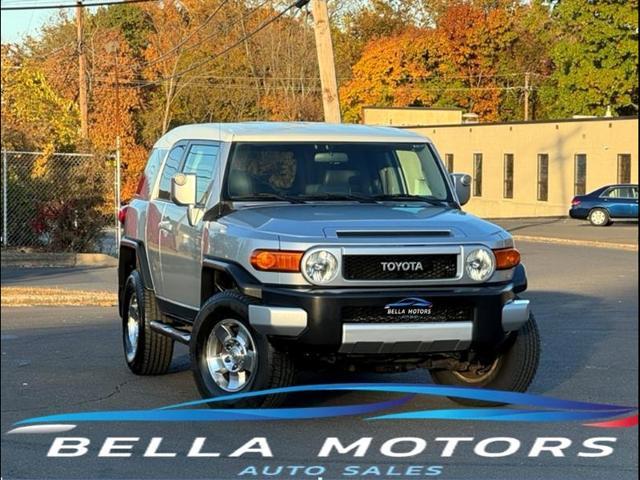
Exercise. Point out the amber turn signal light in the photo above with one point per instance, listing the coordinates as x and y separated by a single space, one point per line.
506 258
276 260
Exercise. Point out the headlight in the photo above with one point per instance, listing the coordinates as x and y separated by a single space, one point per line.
320 266
479 264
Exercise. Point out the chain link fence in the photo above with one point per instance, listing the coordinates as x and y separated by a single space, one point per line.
59 202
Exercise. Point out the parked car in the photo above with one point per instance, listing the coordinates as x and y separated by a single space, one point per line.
605 204
268 247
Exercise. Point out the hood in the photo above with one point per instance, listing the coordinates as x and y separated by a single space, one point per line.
355 221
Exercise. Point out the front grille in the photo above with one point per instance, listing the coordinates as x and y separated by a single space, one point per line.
440 312
372 267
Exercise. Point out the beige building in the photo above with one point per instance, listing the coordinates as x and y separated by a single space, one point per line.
405 116
527 169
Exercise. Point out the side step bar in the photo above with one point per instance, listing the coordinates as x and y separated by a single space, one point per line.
169 331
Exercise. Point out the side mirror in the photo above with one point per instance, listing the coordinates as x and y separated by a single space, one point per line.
183 189
462 184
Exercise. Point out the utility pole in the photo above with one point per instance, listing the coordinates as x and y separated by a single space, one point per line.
324 48
114 47
82 76
526 96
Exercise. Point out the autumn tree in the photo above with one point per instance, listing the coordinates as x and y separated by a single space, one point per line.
34 115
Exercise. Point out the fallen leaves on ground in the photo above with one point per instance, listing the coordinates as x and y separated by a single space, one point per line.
46 296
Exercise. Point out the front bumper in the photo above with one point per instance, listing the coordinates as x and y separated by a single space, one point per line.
315 319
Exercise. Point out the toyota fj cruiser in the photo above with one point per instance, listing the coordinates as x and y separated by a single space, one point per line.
268 247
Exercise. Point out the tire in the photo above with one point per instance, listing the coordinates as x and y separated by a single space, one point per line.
599 217
228 314
146 352
513 370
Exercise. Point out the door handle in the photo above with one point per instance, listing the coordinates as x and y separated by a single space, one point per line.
166 226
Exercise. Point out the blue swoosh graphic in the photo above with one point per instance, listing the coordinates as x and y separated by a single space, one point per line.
549 409
500 415
471 393
231 414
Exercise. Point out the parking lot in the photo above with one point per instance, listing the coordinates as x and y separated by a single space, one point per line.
69 359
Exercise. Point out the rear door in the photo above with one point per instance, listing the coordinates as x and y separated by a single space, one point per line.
617 201
181 247
632 199
156 225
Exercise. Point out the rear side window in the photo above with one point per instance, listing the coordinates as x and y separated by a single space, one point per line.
171 167
202 160
150 174
619 192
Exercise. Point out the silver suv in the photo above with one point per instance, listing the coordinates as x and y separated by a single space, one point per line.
268 247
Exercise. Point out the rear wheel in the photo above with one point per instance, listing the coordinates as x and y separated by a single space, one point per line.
146 352
511 370
228 356
599 217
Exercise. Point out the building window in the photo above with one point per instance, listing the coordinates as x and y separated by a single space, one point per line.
624 168
543 177
448 160
477 174
508 175
580 174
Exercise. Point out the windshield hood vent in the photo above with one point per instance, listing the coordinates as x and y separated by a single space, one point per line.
392 233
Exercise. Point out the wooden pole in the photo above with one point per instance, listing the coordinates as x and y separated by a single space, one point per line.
82 76
324 48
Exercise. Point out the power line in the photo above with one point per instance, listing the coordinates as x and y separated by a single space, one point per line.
188 37
298 4
72 5
225 29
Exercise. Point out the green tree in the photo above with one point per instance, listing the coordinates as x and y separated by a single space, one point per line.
34 116
596 58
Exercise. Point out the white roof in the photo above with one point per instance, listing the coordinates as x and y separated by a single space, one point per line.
287 132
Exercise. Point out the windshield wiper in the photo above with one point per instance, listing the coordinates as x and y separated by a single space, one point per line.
267 196
412 198
339 196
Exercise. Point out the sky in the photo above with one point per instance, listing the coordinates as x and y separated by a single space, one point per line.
16 24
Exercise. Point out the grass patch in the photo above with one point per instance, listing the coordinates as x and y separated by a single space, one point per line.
56 297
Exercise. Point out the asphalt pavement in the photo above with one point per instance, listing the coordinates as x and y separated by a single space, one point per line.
564 228
57 360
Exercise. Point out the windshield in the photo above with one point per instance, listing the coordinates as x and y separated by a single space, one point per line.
345 171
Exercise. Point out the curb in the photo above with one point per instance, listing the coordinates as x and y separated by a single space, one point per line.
38 260
582 243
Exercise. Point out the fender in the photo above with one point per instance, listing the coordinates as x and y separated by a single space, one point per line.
128 245
520 283
247 283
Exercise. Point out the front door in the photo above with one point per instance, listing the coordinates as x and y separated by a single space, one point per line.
181 250
156 232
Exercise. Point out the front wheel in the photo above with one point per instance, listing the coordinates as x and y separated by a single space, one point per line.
228 356
512 370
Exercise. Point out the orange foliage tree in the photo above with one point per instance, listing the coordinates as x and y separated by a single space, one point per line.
456 63
114 101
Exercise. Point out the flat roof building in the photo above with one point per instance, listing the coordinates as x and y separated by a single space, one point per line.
533 169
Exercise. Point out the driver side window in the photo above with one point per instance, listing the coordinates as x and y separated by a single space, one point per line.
202 160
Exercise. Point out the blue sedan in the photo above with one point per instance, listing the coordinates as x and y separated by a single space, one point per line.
603 205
